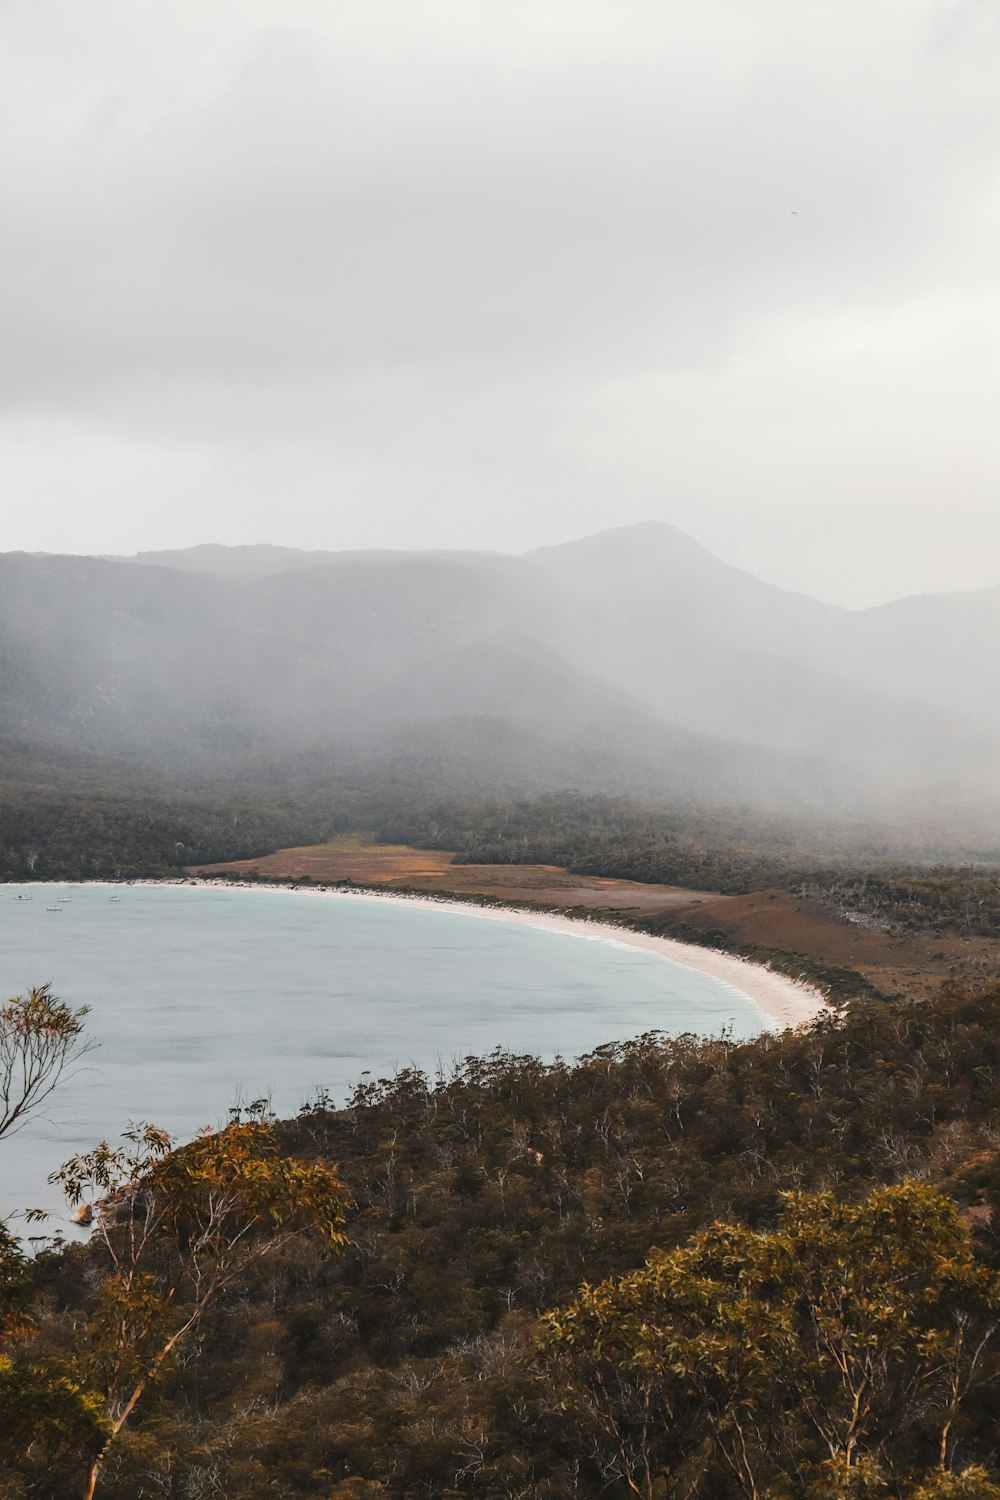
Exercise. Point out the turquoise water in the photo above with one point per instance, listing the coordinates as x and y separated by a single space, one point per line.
199 996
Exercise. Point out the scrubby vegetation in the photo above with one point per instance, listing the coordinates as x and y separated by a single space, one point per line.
421 1362
940 899
101 835
904 877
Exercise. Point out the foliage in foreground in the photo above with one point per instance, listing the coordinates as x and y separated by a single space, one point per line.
840 1346
40 1038
175 1229
419 1363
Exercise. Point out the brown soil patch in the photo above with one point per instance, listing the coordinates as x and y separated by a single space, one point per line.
387 864
895 964
550 885
398 866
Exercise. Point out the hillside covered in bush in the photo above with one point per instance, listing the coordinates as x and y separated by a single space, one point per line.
419 1361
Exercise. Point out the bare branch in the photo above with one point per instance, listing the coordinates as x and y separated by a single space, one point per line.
40 1037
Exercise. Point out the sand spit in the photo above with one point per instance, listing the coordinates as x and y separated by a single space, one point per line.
781 1000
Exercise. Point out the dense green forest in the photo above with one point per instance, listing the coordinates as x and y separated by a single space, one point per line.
651 839
904 878
897 879
418 1359
98 835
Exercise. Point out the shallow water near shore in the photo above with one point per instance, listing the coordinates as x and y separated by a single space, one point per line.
202 995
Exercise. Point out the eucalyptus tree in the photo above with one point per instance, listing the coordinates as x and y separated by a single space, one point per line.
174 1227
40 1039
840 1347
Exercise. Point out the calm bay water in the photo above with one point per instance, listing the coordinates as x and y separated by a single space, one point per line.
201 995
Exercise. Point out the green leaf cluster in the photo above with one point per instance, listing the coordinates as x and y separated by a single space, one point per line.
822 1344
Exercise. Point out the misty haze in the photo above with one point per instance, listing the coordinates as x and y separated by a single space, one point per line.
499 750
629 662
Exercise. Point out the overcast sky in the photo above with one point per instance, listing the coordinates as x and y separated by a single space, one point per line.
497 273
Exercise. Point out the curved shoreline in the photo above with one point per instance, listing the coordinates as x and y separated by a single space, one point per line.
780 999
785 1001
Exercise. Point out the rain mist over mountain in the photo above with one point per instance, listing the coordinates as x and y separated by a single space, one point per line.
629 661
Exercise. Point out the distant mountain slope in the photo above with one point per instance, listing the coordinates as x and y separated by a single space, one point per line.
944 648
939 649
248 563
366 671
241 564
632 660
714 648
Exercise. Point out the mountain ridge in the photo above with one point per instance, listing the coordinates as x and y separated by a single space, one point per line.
633 658
197 556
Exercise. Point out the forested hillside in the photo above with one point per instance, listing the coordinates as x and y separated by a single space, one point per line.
418 1362
631 662
896 878
48 834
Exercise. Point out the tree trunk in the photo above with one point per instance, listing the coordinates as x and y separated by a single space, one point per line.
92 1473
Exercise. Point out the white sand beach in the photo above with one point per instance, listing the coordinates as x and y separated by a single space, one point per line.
783 1000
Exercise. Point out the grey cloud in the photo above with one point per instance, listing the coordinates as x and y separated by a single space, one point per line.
428 244
324 217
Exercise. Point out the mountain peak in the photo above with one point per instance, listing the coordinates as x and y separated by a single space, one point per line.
637 537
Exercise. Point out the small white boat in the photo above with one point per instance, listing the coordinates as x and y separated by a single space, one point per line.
24 898
53 908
